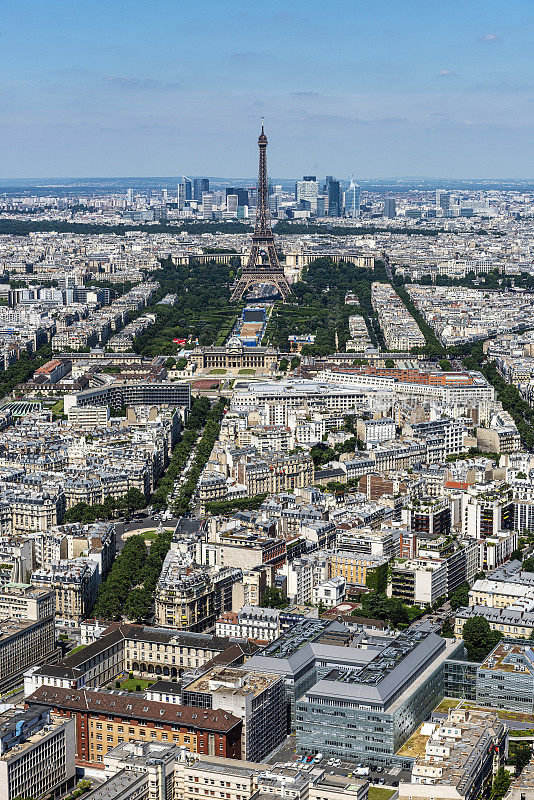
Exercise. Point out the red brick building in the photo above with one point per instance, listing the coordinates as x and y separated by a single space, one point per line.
104 719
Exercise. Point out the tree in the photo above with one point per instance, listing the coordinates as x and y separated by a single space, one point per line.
273 598
390 364
135 499
460 597
501 784
479 638
521 755
284 364
516 555
295 361
528 564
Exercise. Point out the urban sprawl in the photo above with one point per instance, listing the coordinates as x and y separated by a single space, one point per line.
267 492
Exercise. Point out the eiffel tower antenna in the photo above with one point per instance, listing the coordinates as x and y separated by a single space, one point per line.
255 270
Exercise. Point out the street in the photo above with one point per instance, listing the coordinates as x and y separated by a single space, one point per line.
386 776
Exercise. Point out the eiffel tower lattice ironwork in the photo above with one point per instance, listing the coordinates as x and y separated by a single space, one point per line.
256 271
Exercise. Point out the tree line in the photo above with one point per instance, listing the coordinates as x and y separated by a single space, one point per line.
128 590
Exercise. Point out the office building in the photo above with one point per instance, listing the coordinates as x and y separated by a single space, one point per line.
257 699
36 754
156 760
443 199
232 204
28 637
368 711
390 208
22 601
207 204
505 679
307 189
124 785
335 197
200 185
89 417
241 194
106 719
352 201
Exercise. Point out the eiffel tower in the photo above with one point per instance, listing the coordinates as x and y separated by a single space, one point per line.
262 265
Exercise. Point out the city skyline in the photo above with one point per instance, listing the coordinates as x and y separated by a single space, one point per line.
414 91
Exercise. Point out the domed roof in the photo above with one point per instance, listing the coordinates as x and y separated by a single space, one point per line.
234 343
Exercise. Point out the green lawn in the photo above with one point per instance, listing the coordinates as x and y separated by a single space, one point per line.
57 408
218 372
415 745
76 649
447 703
247 371
517 716
133 683
377 793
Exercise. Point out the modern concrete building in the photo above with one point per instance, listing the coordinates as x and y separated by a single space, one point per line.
117 395
155 759
36 754
257 699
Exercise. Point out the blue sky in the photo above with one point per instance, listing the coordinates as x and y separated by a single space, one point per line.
166 87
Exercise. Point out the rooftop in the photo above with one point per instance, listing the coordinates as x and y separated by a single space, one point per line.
237 681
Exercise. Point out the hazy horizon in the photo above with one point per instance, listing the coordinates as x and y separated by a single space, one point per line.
147 89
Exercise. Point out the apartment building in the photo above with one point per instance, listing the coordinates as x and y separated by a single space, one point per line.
250 622
75 583
192 599
420 581
302 574
357 569
274 472
330 593
400 330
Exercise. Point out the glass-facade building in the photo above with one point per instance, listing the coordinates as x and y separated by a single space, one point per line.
367 713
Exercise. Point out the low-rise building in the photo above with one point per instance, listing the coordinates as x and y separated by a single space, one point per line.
329 593
462 755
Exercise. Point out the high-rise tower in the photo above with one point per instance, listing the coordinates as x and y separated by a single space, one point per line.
262 265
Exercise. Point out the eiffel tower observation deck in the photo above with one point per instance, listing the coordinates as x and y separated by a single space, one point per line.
262 265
